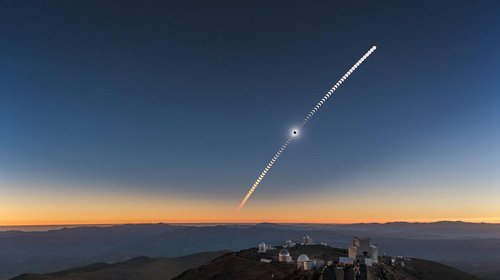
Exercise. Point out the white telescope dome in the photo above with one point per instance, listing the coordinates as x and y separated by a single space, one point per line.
303 258
284 253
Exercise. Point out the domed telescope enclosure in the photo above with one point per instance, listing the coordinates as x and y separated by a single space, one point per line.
284 255
301 259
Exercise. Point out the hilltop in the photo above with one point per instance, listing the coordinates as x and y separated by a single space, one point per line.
139 268
246 265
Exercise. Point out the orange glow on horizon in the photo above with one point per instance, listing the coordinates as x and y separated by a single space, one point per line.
90 222
80 206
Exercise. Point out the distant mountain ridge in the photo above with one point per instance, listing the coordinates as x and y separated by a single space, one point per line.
55 250
137 268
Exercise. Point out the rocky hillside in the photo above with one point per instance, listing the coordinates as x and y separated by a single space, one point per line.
246 264
140 268
415 269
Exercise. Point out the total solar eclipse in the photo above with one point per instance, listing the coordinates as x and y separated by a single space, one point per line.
294 133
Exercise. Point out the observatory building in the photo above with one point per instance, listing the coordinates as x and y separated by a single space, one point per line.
306 240
284 256
363 251
262 247
301 260
289 244
308 265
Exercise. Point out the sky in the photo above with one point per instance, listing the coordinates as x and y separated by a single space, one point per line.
167 111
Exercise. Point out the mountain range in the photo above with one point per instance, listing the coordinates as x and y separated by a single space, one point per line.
247 265
471 247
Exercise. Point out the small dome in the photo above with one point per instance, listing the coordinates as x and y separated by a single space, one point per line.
284 253
302 258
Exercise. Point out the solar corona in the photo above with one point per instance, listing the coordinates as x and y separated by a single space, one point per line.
295 132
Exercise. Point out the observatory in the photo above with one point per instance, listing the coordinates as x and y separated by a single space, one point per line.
264 260
363 250
301 260
262 247
289 244
308 265
306 240
284 256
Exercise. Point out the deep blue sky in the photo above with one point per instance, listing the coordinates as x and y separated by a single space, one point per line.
194 97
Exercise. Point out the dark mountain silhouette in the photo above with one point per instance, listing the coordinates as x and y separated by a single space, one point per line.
134 269
466 246
246 265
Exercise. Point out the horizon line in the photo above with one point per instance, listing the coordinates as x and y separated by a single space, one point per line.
247 223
